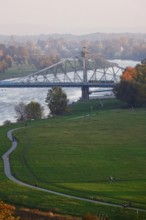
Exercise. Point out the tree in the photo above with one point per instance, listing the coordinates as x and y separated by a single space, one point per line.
7 122
128 91
7 212
129 73
9 60
20 110
57 101
132 86
3 66
34 110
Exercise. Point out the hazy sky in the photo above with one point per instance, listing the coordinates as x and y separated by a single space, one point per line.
72 16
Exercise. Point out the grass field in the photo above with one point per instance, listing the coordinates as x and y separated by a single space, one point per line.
17 71
77 155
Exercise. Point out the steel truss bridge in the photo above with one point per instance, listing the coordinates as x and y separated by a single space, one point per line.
77 71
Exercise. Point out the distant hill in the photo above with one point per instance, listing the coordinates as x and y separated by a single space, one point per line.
99 36
91 37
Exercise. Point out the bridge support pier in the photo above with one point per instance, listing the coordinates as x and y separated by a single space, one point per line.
85 92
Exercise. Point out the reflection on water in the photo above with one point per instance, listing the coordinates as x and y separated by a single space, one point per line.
11 97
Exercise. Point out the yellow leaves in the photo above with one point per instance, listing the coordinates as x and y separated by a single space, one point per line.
7 212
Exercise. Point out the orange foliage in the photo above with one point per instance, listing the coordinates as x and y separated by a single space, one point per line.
1 53
129 73
7 211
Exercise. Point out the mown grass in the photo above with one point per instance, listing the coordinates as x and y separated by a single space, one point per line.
77 156
75 153
92 106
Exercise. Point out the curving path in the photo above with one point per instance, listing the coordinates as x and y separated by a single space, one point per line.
7 171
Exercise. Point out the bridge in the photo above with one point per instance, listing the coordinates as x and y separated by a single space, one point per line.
76 71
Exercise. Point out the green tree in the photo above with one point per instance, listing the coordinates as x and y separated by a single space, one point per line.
128 91
34 110
57 101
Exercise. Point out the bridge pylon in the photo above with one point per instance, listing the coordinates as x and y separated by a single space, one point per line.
85 88
85 92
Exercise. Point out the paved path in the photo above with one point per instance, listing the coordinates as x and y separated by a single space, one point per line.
7 171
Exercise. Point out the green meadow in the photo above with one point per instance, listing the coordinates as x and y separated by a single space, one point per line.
76 155
18 71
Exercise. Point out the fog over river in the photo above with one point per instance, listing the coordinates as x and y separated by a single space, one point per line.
10 97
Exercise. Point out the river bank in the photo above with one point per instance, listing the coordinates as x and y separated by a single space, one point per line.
11 97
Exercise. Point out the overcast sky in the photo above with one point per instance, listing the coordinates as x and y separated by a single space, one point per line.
72 16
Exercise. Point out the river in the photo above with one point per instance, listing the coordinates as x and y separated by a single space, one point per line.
10 97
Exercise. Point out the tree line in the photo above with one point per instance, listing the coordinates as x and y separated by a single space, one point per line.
50 49
28 54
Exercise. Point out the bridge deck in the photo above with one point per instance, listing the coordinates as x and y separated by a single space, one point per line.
45 85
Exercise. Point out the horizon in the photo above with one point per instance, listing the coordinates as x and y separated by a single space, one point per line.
25 31
74 34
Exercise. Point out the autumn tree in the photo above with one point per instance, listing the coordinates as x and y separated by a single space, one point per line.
23 54
44 61
57 101
8 60
130 73
5 60
132 86
7 212
3 66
